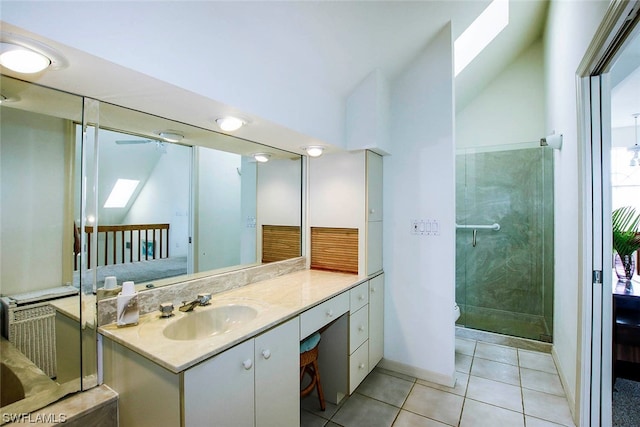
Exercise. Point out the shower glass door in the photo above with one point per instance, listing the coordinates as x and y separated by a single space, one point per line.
504 240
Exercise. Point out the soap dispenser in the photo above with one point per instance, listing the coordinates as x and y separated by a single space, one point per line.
128 311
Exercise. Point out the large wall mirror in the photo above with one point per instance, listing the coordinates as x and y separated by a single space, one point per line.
91 191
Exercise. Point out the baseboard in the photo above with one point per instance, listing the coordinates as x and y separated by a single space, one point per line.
422 374
571 400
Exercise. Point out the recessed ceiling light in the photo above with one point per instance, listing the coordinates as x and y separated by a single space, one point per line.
314 150
230 123
22 60
262 157
171 136
24 55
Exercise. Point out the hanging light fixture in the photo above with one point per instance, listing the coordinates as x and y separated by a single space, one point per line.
635 160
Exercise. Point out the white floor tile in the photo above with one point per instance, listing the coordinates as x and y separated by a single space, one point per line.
460 388
541 381
409 419
547 407
496 371
536 360
435 404
465 346
495 393
498 353
478 414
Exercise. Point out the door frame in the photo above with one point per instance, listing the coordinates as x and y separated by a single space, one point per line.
594 131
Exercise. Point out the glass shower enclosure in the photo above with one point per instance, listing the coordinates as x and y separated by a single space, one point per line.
504 240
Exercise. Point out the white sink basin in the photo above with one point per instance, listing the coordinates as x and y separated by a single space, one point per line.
209 321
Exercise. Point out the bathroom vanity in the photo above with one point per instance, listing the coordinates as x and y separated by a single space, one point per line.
170 372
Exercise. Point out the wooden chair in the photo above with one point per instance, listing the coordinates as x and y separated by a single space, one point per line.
309 365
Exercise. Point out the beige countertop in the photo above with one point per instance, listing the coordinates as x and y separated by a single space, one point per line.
70 307
276 301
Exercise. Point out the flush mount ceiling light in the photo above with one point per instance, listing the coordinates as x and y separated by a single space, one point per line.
27 56
314 150
230 123
262 157
171 136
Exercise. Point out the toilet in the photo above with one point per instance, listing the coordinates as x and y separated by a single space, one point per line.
456 312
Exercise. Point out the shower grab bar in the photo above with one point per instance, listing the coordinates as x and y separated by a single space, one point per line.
494 226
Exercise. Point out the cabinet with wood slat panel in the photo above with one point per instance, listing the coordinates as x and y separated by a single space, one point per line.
345 212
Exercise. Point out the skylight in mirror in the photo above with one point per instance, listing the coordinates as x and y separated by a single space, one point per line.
121 193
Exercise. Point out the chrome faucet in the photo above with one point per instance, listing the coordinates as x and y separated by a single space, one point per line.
201 299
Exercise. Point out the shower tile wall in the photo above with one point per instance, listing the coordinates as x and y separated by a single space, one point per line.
504 283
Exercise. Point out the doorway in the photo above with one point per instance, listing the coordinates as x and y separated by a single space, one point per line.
605 71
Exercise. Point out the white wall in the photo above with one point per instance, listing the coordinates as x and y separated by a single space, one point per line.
279 192
510 109
218 215
165 197
208 64
32 191
419 184
570 28
248 211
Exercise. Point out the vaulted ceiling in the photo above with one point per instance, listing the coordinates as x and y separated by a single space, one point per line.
310 53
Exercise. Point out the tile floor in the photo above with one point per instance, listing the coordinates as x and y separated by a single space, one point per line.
496 386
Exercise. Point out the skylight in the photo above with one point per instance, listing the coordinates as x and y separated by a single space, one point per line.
121 193
480 33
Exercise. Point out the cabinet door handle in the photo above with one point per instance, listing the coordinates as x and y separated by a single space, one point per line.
361 328
329 313
361 366
373 290
361 297
371 211
247 364
266 353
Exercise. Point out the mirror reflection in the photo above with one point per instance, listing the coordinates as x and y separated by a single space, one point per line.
174 201
171 202
41 327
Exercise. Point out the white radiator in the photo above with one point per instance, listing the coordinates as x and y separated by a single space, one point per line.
32 329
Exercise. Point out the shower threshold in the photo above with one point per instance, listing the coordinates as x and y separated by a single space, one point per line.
506 340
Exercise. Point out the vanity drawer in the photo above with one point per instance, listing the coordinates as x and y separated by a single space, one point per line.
358 328
322 314
359 296
358 366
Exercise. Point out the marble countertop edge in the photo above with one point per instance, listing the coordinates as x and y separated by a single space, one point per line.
277 301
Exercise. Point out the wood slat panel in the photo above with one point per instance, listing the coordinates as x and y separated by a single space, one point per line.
334 249
280 242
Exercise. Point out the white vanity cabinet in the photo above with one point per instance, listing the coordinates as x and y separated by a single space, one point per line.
358 335
253 383
376 320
